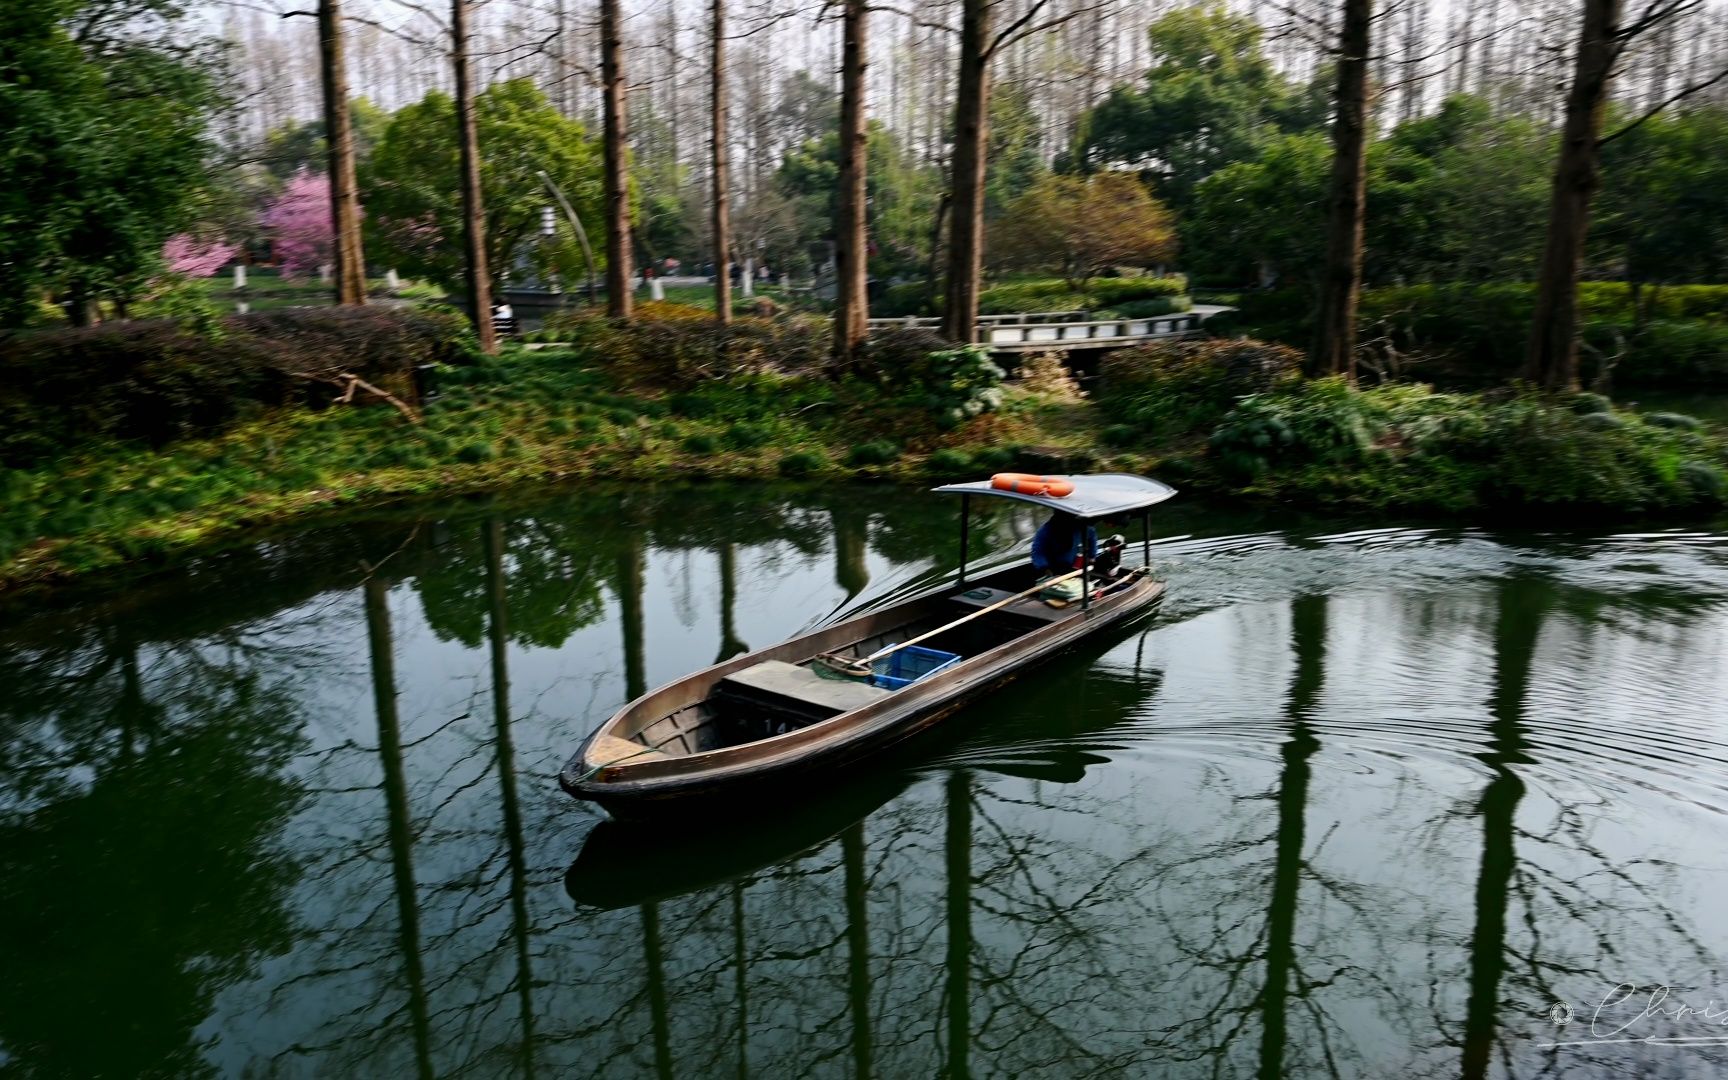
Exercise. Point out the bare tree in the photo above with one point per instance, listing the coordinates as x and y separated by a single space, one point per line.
473 201
618 243
339 135
1341 282
852 244
971 136
722 223
1552 360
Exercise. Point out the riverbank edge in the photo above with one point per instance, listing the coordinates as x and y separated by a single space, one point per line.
112 556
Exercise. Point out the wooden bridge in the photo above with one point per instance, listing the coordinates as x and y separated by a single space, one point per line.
1060 331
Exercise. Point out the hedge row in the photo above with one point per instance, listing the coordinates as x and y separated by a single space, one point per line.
1675 334
1149 296
155 381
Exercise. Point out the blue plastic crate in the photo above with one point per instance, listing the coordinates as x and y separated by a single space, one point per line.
909 665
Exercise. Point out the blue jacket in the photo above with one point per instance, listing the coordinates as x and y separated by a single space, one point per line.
1057 545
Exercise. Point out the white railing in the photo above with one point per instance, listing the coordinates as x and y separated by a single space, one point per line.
1061 329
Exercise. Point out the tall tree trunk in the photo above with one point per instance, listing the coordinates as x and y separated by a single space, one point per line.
1552 361
339 134
971 135
722 215
473 203
851 235
1341 282
619 251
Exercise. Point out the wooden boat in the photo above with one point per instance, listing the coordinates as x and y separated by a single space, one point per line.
760 724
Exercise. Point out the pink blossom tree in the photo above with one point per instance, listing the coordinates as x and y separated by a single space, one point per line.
299 221
188 256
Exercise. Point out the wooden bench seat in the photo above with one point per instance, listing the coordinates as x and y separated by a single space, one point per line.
798 688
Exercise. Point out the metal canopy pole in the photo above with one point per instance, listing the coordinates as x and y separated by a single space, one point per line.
965 523
1085 565
1146 538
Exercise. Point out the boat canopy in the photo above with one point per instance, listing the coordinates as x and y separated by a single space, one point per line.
1096 495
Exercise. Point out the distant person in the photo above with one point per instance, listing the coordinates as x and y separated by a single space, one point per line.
672 266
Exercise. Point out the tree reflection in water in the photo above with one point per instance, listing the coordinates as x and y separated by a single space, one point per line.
296 817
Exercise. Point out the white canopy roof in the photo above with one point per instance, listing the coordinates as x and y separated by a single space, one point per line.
1095 495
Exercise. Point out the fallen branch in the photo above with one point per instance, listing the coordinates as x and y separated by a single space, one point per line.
350 382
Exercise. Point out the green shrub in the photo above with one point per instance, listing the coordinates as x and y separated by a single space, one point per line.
691 403
154 382
1119 435
879 452
895 357
900 301
802 463
949 463
674 346
747 436
1481 330
1674 421
1325 421
1704 481
959 384
749 397
1172 388
928 373
1407 446
995 458
1663 351
1591 403
1054 294
477 452
1147 309
701 445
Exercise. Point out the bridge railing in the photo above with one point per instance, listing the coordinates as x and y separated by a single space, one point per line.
1061 329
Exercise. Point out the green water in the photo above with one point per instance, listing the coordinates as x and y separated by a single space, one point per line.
1360 802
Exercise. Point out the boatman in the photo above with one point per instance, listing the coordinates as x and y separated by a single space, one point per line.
1057 549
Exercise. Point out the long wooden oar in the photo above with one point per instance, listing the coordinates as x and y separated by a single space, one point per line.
861 668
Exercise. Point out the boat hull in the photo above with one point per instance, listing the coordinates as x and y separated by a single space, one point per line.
767 770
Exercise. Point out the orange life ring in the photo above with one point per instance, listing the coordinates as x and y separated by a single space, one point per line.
1028 484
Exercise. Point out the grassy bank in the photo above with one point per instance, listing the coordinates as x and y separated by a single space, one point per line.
523 418
667 399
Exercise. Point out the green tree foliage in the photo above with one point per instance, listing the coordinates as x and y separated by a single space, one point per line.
104 147
809 108
297 144
671 210
903 195
1458 195
413 199
1255 221
1664 207
1016 154
1080 226
1211 98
